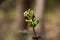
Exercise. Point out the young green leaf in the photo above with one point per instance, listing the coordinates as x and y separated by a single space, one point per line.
32 21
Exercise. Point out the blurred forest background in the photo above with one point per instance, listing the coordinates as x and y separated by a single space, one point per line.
13 26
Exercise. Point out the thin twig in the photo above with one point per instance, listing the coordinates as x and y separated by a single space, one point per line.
34 32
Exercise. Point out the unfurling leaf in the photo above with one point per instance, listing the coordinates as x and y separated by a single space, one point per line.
31 20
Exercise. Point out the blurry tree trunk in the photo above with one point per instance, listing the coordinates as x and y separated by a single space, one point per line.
39 10
19 19
18 23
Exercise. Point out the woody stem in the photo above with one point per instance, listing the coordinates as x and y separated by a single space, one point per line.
34 32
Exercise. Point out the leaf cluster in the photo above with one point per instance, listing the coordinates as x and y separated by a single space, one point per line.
30 18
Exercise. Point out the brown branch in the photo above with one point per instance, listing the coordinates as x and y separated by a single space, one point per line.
34 32
35 38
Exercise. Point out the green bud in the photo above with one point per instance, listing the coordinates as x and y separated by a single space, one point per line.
31 21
